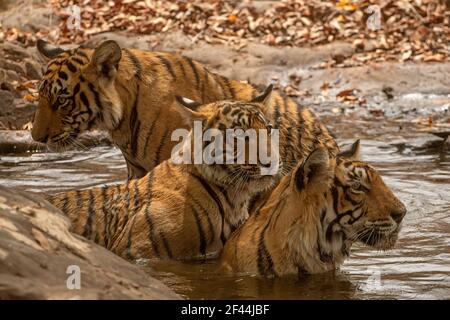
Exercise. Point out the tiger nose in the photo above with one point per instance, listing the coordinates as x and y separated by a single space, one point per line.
398 214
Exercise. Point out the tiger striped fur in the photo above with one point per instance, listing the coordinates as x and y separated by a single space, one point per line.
313 217
176 211
130 93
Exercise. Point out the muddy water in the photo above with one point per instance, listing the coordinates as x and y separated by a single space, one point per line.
415 166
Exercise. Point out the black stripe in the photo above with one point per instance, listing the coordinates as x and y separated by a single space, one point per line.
90 216
324 256
226 110
65 203
335 194
168 66
135 125
265 262
205 213
79 61
236 111
81 53
106 213
205 84
277 117
218 80
136 196
194 70
183 71
166 245
129 240
277 214
136 63
161 145
149 133
126 213
63 75
218 202
329 231
96 96
127 197
76 89
84 99
71 67
151 235
115 214
79 200
230 87
201 232
58 81
323 214
349 199
54 63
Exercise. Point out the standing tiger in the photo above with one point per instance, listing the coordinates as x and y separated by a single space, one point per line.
130 93
314 215
183 211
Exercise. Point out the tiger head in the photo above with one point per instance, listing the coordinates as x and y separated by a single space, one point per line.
231 140
348 200
76 92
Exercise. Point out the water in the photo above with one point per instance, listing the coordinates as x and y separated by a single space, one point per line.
413 164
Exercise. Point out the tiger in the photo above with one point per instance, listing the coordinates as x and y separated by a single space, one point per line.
313 217
178 211
130 93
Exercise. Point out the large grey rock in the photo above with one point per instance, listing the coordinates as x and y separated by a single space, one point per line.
6 102
17 141
36 249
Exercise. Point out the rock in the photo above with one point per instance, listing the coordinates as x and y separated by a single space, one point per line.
37 250
29 16
17 141
11 75
6 102
388 91
11 65
14 51
32 70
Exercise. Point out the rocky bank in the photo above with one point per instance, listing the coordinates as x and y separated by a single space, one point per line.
36 249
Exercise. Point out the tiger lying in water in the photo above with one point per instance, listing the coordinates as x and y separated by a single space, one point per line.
313 217
130 93
176 211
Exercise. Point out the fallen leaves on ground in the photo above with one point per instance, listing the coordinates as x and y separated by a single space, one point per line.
407 30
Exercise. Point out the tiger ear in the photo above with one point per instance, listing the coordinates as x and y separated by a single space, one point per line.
187 109
265 98
353 153
106 58
314 171
47 51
